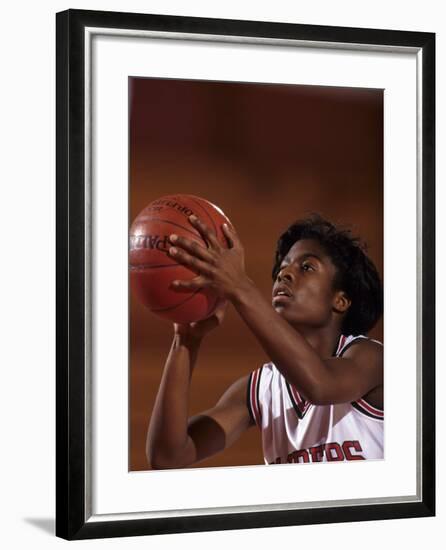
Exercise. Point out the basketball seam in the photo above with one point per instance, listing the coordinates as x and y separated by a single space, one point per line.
176 305
207 213
197 234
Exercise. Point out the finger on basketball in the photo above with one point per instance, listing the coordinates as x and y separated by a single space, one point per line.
220 310
193 263
228 234
209 236
231 235
186 286
193 247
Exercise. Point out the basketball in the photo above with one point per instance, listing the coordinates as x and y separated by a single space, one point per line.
151 268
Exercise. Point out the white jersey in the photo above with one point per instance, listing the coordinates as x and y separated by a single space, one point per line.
295 430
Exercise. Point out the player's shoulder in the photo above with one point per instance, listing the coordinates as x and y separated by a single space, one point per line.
363 348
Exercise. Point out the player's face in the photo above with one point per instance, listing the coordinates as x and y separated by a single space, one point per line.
303 292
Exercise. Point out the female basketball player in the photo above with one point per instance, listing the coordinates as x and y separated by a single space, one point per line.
320 398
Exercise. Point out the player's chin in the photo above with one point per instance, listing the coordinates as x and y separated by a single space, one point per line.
287 312
281 309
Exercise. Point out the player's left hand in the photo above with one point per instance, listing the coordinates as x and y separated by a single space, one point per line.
217 267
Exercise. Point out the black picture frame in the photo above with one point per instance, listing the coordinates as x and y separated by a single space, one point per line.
71 520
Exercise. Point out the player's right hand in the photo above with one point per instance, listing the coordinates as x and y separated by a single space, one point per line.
198 329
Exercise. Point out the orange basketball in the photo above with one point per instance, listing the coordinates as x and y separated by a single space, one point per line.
152 269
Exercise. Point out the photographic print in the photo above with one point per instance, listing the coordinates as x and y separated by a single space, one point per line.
245 241
277 357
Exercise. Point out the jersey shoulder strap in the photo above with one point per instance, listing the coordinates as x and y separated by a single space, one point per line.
346 341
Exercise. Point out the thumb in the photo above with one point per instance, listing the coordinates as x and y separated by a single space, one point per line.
219 311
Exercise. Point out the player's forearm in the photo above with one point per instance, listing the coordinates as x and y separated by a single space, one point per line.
167 436
289 350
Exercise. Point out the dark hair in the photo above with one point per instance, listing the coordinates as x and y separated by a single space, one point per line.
356 274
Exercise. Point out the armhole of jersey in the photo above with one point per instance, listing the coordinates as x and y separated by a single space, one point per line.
252 397
361 405
299 404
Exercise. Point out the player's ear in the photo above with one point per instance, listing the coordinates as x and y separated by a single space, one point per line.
341 302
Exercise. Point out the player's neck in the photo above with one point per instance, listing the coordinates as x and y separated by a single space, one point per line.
324 340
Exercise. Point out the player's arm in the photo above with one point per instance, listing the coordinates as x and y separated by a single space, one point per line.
216 429
173 439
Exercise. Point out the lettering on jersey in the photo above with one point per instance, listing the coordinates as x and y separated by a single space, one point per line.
299 456
152 242
348 446
332 452
317 453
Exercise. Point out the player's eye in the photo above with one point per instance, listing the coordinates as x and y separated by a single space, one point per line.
307 266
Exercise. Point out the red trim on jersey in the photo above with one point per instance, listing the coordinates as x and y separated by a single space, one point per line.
297 397
300 405
248 398
254 396
370 408
341 343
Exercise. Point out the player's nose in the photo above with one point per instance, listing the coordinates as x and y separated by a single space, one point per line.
286 274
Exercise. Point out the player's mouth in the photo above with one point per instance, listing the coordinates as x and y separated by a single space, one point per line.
281 293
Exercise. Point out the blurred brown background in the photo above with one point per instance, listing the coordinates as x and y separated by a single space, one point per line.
267 155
